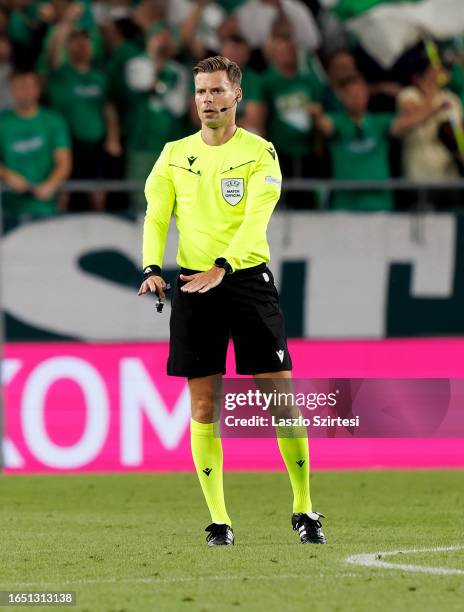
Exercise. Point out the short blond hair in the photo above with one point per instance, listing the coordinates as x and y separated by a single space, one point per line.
218 63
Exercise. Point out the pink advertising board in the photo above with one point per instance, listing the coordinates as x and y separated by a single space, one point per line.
110 407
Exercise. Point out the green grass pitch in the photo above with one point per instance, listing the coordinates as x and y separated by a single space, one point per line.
135 542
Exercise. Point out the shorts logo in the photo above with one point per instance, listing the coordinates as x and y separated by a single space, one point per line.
280 355
233 190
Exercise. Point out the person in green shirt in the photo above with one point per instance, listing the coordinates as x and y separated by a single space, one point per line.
236 48
359 145
157 106
35 156
285 94
79 92
28 25
122 45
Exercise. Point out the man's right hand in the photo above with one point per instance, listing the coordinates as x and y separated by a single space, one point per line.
16 181
154 284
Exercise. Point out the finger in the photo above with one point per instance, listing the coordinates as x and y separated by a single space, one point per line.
188 278
144 288
194 287
153 288
157 286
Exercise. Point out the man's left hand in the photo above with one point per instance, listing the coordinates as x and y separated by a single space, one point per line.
44 191
202 281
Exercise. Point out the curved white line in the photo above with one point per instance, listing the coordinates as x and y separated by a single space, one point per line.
375 560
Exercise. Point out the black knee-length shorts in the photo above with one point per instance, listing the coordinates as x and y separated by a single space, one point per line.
245 306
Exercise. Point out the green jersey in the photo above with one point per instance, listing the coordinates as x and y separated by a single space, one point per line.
360 152
222 198
81 98
157 117
230 5
115 71
27 146
457 80
250 88
289 123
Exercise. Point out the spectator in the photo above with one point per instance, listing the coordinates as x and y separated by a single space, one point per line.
340 66
157 106
199 22
285 94
5 72
257 17
148 14
35 157
120 37
359 145
27 27
248 113
69 16
80 93
425 156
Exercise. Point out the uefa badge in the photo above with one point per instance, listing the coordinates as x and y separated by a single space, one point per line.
233 190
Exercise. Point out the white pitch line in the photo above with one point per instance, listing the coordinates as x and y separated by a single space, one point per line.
375 560
169 580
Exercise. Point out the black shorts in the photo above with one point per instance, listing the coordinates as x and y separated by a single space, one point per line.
245 306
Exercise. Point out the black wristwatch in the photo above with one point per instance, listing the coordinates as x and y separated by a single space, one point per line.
221 262
151 271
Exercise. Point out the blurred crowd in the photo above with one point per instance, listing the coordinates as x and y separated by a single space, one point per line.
93 90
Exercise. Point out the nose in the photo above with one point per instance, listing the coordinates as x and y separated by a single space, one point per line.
208 98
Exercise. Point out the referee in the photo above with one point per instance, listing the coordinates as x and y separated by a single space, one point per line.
222 185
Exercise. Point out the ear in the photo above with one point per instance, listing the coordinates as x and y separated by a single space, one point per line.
238 94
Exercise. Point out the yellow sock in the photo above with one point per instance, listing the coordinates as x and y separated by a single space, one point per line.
293 445
207 457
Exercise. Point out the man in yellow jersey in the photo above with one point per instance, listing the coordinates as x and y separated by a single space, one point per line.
222 185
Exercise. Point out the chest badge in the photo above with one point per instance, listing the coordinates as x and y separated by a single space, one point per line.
233 190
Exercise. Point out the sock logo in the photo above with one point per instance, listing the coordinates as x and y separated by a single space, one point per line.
300 462
207 471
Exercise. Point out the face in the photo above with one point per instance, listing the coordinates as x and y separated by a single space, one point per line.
237 52
160 46
355 96
25 90
283 53
214 91
80 49
341 67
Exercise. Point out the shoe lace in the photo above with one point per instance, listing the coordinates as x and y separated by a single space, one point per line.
215 530
310 524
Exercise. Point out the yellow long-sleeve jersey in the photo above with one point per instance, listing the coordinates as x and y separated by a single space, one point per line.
222 198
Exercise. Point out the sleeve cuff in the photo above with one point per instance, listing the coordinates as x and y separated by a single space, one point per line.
151 271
